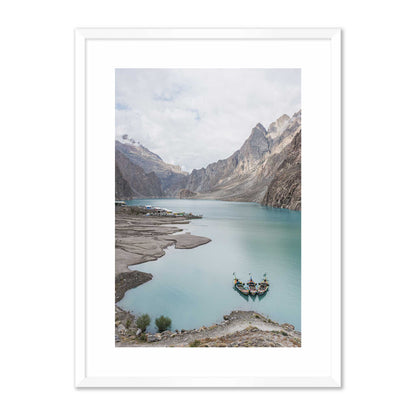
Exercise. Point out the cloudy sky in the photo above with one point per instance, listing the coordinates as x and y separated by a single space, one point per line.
192 117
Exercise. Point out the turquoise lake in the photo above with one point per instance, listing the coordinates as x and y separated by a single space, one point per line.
194 287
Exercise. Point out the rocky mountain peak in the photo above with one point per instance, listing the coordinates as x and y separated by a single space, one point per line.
126 139
268 163
256 145
297 115
277 127
282 119
260 127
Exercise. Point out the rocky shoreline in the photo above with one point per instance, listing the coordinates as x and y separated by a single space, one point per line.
238 329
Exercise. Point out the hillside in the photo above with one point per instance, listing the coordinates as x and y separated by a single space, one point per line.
131 181
171 177
247 173
285 189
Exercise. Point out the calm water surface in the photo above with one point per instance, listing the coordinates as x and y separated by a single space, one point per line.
195 287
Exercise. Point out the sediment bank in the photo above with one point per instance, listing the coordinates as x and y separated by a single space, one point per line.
140 238
129 280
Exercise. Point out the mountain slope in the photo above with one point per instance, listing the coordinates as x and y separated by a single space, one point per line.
277 127
266 169
122 187
133 181
246 174
172 178
285 189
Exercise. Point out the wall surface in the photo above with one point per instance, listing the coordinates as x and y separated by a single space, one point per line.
37 224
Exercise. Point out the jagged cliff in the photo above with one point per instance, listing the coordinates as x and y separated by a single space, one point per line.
246 174
285 189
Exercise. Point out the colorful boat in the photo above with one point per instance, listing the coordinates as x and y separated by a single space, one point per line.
263 286
252 286
239 285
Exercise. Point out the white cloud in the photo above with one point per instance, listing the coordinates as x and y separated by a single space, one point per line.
192 117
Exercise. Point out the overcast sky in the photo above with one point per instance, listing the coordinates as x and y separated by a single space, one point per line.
192 117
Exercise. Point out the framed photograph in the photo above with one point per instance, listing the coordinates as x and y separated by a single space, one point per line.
208 207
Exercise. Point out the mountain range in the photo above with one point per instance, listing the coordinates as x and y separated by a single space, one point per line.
266 169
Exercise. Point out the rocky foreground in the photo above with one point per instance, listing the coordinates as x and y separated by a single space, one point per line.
239 329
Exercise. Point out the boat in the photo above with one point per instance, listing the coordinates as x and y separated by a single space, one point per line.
239 285
263 286
252 286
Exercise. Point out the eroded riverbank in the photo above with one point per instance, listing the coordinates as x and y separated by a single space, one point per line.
139 239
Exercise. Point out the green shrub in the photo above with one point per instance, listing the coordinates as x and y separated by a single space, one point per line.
143 322
143 337
296 341
195 343
163 323
128 323
284 333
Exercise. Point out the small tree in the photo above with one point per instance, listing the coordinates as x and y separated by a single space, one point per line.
143 322
163 323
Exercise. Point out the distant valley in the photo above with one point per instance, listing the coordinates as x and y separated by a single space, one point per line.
266 169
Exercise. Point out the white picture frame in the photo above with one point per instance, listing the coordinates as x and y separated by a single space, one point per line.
103 49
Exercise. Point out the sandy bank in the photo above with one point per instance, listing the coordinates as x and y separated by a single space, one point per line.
139 239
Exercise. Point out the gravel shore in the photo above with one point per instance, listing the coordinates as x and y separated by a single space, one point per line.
239 329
